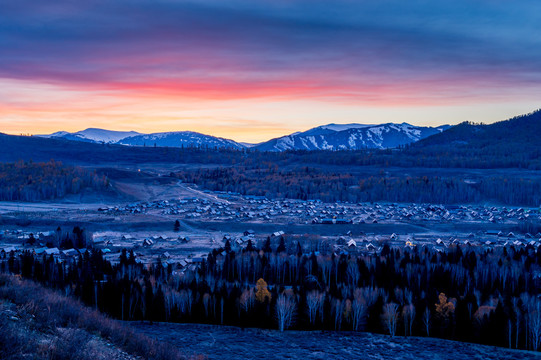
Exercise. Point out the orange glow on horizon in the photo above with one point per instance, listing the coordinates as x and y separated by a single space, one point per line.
241 114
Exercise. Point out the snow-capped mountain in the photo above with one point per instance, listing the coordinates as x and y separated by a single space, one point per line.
351 137
180 139
325 137
94 135
165 139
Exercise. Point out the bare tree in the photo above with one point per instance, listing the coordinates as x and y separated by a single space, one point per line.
427 317
516 309
285 311
247 300
359 309
185 302
390 317
337 309
534 320
353 273
408 314
313 300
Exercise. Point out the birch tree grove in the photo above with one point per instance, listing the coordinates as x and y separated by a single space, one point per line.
390 317
285 311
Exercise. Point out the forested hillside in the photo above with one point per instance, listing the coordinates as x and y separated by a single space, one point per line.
308 183
511 143
29 181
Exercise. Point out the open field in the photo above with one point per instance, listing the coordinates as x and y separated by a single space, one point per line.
220 342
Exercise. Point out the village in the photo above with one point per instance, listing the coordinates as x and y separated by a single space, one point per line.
234 207
181 232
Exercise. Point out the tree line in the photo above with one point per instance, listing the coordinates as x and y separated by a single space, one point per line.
309 183
489 296
30 181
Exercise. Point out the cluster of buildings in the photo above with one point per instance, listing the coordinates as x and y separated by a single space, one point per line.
246 208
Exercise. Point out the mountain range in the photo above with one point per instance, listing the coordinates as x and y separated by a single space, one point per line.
351 137
326 137
132 138
512 143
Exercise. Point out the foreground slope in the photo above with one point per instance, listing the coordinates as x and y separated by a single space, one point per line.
225 342
39 323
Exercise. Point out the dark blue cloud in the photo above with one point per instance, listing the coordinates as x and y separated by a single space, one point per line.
365 42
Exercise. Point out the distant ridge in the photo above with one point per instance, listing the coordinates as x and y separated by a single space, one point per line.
325 137
351 137
94 135
520 132
132 138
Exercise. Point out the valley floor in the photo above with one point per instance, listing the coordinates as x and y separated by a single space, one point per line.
226 342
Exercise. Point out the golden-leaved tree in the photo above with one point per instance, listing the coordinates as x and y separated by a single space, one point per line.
444 308
262 292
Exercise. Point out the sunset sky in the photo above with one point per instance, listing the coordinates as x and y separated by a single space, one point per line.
253 70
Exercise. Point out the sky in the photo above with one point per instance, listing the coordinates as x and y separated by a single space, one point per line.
254 70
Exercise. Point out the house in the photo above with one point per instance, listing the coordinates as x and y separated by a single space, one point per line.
352 244
148 242
184 240
98 240
440 242
7 250
277 233
70 253
40 251
46 234
52 251
249 233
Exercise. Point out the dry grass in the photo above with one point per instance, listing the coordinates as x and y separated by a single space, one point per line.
38 323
